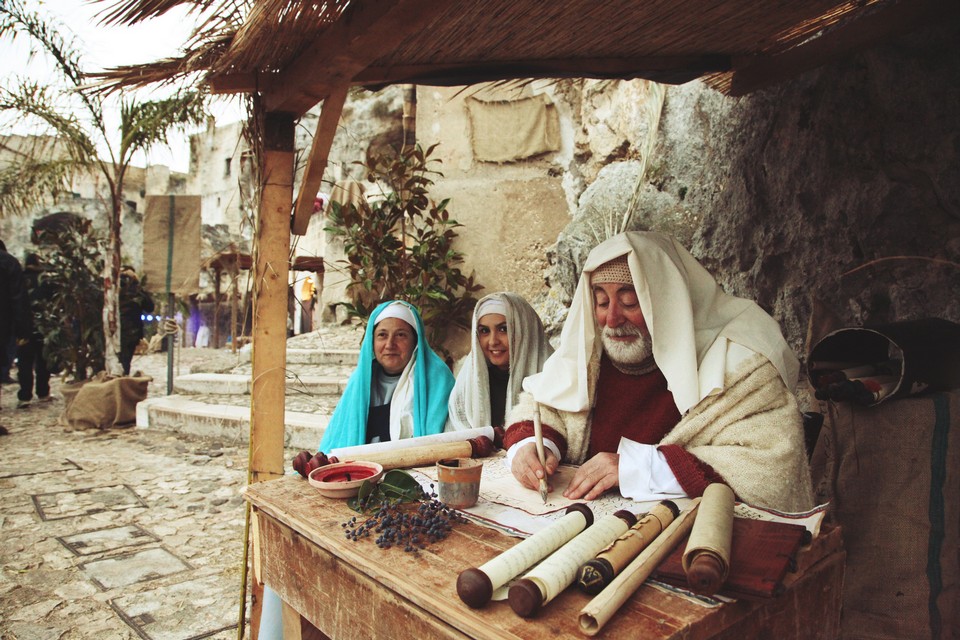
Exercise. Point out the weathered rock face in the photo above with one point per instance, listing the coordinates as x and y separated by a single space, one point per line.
842 184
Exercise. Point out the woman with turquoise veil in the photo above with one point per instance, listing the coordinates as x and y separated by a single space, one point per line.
400 387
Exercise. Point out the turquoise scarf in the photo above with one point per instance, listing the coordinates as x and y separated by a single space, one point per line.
432 382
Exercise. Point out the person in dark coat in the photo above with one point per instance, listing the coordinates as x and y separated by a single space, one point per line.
13 318
31 361
134 302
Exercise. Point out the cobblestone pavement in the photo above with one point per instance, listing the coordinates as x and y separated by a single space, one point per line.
123 533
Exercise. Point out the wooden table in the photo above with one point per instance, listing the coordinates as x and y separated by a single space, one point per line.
351 589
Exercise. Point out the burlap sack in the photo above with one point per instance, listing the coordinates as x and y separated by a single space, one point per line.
104 402
892 474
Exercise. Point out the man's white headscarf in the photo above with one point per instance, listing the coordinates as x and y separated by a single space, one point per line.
690 319
470 400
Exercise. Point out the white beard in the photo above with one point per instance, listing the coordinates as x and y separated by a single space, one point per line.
630 353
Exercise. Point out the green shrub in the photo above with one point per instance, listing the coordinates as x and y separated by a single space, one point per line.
72 322
400 247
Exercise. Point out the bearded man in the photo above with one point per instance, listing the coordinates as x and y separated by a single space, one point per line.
662 384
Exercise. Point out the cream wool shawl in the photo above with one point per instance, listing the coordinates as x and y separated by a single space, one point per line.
751 434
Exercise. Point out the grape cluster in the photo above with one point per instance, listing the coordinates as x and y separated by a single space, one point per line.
403 526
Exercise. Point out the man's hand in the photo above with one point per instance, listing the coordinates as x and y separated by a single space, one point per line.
526 466
596 475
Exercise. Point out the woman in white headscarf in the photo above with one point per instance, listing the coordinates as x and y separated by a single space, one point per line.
508 344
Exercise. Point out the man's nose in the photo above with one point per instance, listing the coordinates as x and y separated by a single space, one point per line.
614 315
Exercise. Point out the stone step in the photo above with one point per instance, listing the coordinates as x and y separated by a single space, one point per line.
315 356
240 384
225 421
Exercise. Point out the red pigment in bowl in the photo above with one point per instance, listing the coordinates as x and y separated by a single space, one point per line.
346 474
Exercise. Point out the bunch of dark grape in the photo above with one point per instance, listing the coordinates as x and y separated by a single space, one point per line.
401 525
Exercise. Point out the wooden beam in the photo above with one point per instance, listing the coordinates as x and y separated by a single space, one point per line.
317 161
271 269
667 69
367 30
872 27
231 83
271 273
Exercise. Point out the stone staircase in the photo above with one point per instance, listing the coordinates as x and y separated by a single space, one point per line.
213 399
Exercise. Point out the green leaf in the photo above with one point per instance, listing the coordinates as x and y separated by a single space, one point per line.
396 486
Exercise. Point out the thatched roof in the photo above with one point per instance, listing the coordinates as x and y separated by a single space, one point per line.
295 53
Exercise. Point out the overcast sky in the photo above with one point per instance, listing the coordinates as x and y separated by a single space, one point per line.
103 47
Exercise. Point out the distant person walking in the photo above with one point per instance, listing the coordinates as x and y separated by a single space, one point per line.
31 360
13 318
134 302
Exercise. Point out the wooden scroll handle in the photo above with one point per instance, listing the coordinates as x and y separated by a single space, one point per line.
707 573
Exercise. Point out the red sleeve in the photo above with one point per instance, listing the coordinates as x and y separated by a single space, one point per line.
692 473
520 430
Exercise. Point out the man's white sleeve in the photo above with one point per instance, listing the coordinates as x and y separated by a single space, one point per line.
512 451
645 473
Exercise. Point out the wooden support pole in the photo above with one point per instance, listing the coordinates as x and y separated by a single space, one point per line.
216 307
271 275
234 274
409 115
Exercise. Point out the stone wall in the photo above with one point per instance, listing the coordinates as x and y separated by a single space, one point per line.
842 184
511 212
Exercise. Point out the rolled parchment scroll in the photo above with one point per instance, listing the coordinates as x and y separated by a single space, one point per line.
358 451
706 560
423 451
475 586
544 582
596 574
599 610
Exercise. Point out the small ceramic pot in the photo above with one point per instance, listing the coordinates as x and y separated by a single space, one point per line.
459 480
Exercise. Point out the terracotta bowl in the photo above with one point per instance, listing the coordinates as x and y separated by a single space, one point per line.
343 479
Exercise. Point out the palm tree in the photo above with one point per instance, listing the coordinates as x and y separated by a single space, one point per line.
73 113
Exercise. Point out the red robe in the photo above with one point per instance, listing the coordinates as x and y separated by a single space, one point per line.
639 408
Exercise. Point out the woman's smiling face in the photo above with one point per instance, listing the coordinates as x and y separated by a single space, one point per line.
493 339
393 344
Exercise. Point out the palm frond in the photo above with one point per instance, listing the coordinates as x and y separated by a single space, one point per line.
55 39
143 124
31 183
30 100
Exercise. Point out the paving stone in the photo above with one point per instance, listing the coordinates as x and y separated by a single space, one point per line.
36 610
49 466
85 501
110 539
29 631
127 569
180 611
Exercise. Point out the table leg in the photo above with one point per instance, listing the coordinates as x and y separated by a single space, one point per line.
296 627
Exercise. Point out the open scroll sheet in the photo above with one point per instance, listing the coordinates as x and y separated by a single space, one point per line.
507 506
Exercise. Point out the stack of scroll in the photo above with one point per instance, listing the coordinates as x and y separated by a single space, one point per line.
703 548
